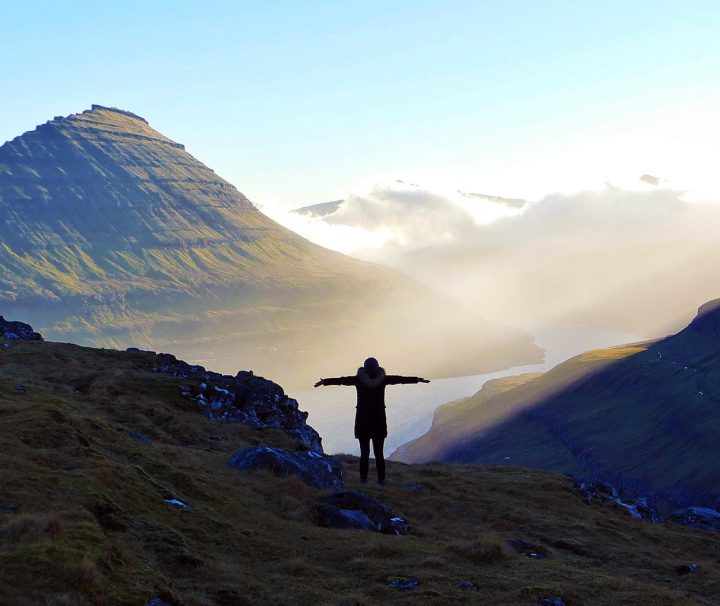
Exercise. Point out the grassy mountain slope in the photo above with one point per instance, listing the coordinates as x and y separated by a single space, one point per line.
111 234
644 416
92 526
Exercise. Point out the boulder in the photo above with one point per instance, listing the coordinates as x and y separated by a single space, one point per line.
404 582
135 435
351 509
332 517
687 568
311 467
593 489
467 585
411 486
640 508
531 550
18 331
697 517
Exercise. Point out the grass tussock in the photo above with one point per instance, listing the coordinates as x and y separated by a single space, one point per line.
24 527
354 599
485 549
88 572
296 565
54 526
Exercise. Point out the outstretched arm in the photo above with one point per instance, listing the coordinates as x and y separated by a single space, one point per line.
400 380
337 381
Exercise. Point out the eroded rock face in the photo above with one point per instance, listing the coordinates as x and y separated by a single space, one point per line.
356 510
243 398
18 331
311 467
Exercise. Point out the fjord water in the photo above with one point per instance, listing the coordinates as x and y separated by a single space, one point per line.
410 408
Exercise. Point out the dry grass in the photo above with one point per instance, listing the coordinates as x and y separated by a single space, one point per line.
93 529
24 527
297 566
88 571
485 549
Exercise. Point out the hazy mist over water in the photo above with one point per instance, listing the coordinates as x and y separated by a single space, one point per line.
577 271
410 408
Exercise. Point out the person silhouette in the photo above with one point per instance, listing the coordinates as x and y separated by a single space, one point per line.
370 421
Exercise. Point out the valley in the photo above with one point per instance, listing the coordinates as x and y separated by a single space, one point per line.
641 416
411 408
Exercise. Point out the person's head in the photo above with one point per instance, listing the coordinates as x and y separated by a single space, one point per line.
371 366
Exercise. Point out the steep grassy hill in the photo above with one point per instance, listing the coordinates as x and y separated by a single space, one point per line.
644 416
112 234
84 518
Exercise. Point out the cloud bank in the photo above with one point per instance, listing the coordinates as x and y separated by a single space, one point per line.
639 260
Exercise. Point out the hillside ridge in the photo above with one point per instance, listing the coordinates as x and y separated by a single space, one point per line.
116 489
641 416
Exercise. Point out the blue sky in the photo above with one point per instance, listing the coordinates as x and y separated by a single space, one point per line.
295 101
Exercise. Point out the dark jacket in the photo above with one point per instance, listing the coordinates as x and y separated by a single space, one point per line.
370 421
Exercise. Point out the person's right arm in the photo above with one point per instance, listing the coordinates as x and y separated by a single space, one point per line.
400 380
337 381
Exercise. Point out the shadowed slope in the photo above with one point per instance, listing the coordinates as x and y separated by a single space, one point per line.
643 416
112 234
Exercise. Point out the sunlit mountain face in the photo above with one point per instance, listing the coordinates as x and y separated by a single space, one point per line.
112 234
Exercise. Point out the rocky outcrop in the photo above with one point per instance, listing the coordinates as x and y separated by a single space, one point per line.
355 510
18 331
697 517
243 398
606 493
313 468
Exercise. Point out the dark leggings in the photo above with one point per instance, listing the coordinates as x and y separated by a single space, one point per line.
365 457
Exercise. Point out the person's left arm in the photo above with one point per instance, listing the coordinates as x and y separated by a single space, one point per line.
400 380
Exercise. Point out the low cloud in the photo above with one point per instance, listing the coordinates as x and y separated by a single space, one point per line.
640 261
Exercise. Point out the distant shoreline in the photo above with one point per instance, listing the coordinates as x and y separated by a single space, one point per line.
410 410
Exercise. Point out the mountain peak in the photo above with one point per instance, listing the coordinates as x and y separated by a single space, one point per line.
100 108
97 122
